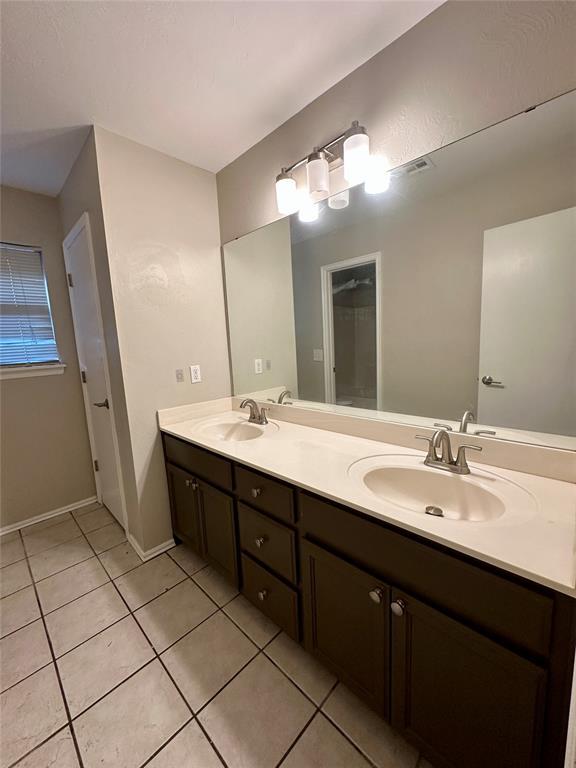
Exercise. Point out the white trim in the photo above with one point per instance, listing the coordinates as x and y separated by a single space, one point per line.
328 322
30 371
84 223
150 553
47 515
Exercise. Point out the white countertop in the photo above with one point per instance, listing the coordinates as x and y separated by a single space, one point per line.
540 548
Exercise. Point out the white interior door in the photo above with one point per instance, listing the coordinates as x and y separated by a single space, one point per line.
528 325
84 299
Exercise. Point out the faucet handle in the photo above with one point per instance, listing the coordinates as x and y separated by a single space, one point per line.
263 412
447 427
461 456
431 450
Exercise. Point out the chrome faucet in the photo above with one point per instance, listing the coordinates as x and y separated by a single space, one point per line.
467 418
440 441
257 415
283 395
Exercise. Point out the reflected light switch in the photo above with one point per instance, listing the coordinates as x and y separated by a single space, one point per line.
318 355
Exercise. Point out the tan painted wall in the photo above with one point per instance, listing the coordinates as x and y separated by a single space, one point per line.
161 223
81 193
261 308
45 453
464 67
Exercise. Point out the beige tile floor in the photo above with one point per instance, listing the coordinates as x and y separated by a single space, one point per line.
109 662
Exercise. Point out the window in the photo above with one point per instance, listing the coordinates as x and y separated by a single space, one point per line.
26 330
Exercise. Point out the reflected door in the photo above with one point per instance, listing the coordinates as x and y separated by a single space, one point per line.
351 343
527 374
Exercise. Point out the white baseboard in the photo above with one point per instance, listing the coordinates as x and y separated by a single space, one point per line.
150 553
46 515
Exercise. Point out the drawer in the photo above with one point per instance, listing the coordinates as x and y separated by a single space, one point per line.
268 541
199 462
274 598
501 606
269 495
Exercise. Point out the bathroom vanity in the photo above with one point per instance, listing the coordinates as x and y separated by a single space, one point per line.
470 661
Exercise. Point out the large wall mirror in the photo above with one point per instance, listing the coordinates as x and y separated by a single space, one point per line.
454 290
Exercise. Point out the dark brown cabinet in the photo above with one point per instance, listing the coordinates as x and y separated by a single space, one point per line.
463 699
346 616
184 507
218 527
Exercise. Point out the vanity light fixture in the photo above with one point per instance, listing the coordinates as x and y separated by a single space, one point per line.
353 146
309 211
339 200
356 153
317 171
287 198
377 176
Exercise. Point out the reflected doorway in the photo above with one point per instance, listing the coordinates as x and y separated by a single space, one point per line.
351 325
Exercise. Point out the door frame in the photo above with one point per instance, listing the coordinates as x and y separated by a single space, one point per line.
328 321
83 223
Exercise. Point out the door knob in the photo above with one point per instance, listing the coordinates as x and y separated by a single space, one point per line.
488 381
398 607
103 404
262 595
376 595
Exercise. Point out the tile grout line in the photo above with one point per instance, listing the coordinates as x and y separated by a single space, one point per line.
56 670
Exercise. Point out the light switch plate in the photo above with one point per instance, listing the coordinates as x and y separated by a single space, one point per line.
318 355
258 368
195 374
180 375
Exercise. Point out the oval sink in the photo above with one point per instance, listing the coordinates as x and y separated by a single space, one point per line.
236 431
405 482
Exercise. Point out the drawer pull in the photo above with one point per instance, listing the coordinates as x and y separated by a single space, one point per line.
376 595
398 607
260 541
256 492
262 595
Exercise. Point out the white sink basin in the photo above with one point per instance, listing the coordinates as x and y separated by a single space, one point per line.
480 497
235 430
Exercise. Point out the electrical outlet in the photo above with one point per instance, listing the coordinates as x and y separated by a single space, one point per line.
195 374
258 365
180 375
318 355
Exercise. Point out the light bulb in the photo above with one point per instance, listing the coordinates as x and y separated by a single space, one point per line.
339 200
317 174
309 210
356 154
286 194
378 176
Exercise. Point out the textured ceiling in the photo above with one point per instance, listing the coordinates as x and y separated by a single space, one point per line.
201 81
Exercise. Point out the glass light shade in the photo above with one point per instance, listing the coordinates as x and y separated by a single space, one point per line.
339 201
309 210
286 194
317 174
356 156
378 176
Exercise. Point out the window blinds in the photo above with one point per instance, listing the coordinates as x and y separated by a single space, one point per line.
26 330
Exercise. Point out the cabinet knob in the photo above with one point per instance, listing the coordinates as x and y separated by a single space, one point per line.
192 484
262 595
398 607
256 492
376 595
260 541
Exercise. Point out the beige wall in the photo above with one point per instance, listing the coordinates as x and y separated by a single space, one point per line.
161 223
45 453
431 281
261 308
465 66
81 193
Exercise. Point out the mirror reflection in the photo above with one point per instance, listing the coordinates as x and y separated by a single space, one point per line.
453 291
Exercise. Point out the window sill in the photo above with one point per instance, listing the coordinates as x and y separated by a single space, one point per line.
28 371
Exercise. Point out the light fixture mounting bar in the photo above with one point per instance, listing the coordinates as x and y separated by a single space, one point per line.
323 148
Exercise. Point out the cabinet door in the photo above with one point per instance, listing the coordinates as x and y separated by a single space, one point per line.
219 529
465 700
184 507
346 623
